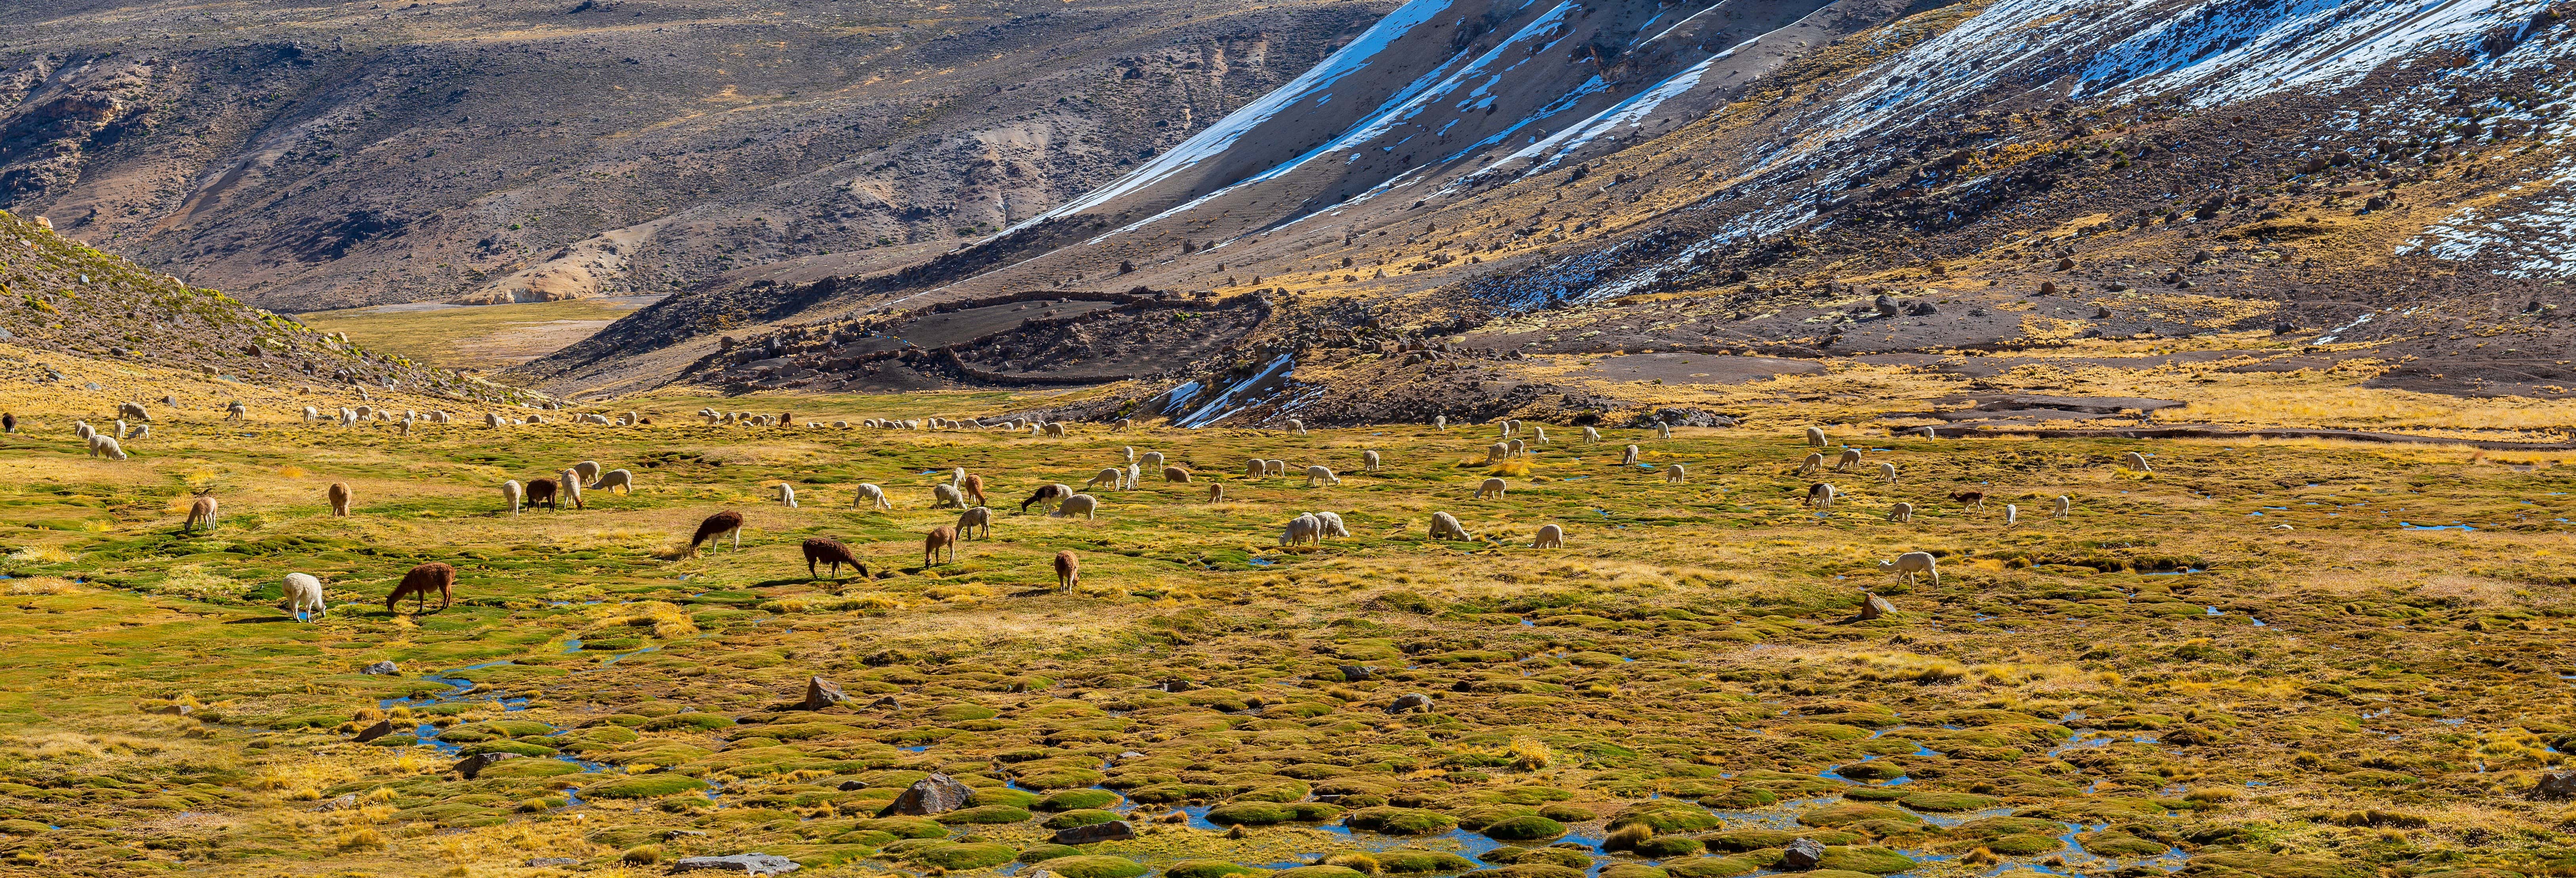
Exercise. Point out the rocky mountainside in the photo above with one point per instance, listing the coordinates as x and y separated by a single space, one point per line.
66 299
308 158
1859 177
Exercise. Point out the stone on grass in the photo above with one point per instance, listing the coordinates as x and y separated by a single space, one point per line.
936 794
1875 607
1802 855
1412 702
821 693
342 803
382 669
380 729
1356 673
738 864
1113 830
473 765
2555 785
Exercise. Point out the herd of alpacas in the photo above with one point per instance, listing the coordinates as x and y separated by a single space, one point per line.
964 491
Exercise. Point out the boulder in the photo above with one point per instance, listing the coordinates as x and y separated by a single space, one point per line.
382 669
936 794
849 785
473 765
821 693
1886 305
1114 830
738 864
1802 855
2555 785
1412 702
380 729
1356 673
1875 606
1680 417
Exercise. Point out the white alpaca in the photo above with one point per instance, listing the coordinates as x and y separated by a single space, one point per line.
1055 429
1519 448
1631 458
872 497
1296 426
1673 474
1332 524
1496 452
511 491
311 414
1549 537
1663 430
615 479
1509 426
1302 529
1887 471
1088 506
969 520
571 485
1134 475
2012 514
122 429
588 470
1131 452
2138 463
1591 436
957 477
1821 495
1850 458
2062 507
1440 422
946 497
1912 563
1815 437
787 494
1813 463
1901 513
1538 434
490 419
1151 461
1445 526
103 445
133 410
1274 467
1114 476
1492 486
1368 461
1254 468
82 430
302 590
1321 473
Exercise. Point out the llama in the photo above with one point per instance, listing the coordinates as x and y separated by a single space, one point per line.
419 582
825 550
200 512
717 526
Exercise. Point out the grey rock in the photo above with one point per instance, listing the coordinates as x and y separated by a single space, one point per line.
546 862
473 765
380 729
1875 607
887 701
1131 754
2101 313
1080 835
382 669
1886 306
1680 417
682 833
1356 673
821 693
2555 785
1177 684
738 864
342 803
1412 702
1802 855
936 794
849 785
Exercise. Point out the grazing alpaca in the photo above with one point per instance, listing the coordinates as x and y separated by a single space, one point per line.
1815 437
1821 495
571 486
1151 460
1549 537
1493 486
825 550
1969 498
942 535
1673 474
2060 509
2137 463
872 497
302 590
1631 458
1368 461
1912 563
716 527
541 492
1216 492
946 497
339 494
1440 422
1114 476
1445 526
2012 515
132 410
616 478
1901 513
9 422
236 411
1045 497
1175 474
1068 572
103 445
1332 524
420 581
588 470
1302 529
787 494
201 511
974 487
511 491
311 414
1321 473
1591 436
1887 471
982 517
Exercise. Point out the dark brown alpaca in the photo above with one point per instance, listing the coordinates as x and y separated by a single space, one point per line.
541 491
1969 498
1068 572
1049 492
717 525
830 551
787 419
420 581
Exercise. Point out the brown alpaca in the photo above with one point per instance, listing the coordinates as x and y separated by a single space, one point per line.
974 487
787 419
1050 492
1969 498
202 511
717 525
339 499
420 581
541 491
1068 572
1175 474
1216 492
830 551
942 535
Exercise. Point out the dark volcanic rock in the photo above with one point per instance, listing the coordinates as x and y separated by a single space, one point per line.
821 693
380 729
474 765
1111 831
936 794
1802 855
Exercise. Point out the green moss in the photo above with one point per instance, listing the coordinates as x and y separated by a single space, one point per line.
1401 821
2119 844
2282 866
1567 857
984 814
1527 826
1208 869
1079 817
1757 839
530 768
642 786
1406 862
1711 867
1095 866
1528 870
1069 800
1319 872
1632 870
1002 796
905 827
864 837
963 855
1045 852
1563 813
1873 860
1840 813
1266 813
1946 802
1666 815
2022 844
1666 846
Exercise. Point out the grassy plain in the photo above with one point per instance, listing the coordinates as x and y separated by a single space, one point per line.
2168 679
487 337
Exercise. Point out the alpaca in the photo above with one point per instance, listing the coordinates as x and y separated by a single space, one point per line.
1333 526
2062 506
1216 492
974 488
1321 473
511 491
1549 537
1967 499
939 536
1497 452
311 414
1119 425
982 517
1445 526
302 590
1815 437
132 410
1302 529
947 497
1901 513
1591 436
1673 474
1850 458
1538 434
615 479
1134 474
1045 497
825 550
339 494
9 422
2012 515
541 491
420 581
1151 460
1087 505
1114 476
1296 426
1518 449
1510 427
1813 463
1631 458
1912 563
872 497
787 494
1440 422
1368 461
200 512
588 470
1256 468
1887 471
1068 572
2137 463
103 445
717 526
1821 495
236 412
1491 487
1663 430
1175 474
